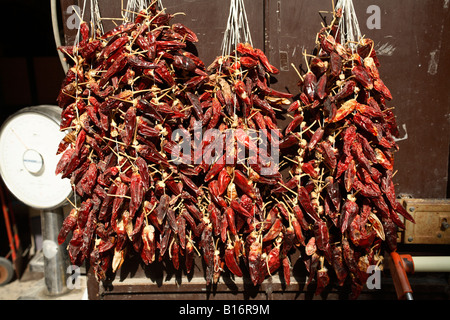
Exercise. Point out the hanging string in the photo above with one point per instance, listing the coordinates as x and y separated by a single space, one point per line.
77 37
96 19
237 30
136 6
348 24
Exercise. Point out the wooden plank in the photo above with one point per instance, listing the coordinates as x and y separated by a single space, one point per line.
425 286
430 216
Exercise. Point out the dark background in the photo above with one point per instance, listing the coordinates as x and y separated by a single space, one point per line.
413 47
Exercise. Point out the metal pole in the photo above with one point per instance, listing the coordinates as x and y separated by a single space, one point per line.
54 257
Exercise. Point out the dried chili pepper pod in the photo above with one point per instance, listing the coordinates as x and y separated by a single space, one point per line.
311 247
316 138
286 270
339 264
231 260
214 216
237 206
254 261
175 254
322 236
322 277
335 64
189 256
294 106
383 159
244 184
207 244
218 266
348 88
363 77
223 180
214 192
297 230
305 202
298 119
308 168
333 191
309 85
69 224
372 69
272 262
349 210
149 244
327 43
184 31
321 87
350 175
398 207
329 155
274 231
381 88
136 193
390 230
344 110
161 209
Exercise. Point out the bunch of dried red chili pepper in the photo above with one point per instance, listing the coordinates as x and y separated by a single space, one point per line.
341 139
127 90
243 219
133 96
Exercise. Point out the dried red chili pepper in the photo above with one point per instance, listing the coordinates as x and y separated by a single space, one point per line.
254 261
231 260
349 210
305 202
321 87
346 108
309 85
363 77
207 244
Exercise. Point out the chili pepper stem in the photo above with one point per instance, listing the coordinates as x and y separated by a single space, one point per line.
309 128
296 70
118 196
71 203
287 188
170 247
148 213
306 60
267 265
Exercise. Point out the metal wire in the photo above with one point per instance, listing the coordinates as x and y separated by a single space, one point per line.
96 19
135 6
348 24
237 30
